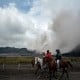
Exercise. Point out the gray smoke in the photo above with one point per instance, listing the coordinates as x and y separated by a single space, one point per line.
66 26
62 34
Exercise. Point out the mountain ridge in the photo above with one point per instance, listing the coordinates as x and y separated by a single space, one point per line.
19 51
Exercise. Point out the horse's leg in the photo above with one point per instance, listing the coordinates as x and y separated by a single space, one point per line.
37 70
50 74
33 65
54 73
61 74
67 74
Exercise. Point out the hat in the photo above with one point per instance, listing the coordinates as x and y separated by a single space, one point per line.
57 50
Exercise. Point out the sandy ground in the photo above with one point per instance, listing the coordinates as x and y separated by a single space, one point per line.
26 72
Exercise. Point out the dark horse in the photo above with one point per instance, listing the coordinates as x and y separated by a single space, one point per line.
52 65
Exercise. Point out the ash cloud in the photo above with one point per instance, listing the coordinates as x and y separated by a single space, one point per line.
66 26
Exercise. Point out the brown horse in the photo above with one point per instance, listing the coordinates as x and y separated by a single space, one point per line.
64 65
52 65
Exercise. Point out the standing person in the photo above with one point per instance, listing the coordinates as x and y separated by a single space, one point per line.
58 57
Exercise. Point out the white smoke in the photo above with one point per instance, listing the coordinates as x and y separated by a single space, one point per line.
50 24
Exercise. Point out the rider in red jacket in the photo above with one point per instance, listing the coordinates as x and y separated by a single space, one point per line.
48 55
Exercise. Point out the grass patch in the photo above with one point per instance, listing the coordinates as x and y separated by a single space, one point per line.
72 59
26 59
15 60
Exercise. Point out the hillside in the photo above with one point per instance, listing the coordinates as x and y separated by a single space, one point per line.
13 50
74 53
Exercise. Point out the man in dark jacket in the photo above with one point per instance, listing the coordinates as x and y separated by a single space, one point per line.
58 57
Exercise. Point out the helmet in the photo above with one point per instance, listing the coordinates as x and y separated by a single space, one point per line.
57 50
47 51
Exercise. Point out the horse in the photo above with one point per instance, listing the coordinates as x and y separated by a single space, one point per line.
37 63
52 65
64 65
40 67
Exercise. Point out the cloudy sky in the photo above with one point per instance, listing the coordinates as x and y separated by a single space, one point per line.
40 24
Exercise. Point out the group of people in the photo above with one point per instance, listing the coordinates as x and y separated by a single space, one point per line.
48 55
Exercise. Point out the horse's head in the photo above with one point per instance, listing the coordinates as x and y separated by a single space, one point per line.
33 62
38 61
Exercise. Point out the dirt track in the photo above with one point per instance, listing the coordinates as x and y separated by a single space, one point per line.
26 72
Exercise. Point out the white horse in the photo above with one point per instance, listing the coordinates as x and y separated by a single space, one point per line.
40 60
40 68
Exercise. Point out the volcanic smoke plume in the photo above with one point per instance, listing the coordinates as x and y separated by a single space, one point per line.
66 27
62 34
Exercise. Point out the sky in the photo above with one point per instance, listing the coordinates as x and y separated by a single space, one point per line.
40 24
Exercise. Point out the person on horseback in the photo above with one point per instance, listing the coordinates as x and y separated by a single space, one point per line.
46 58
58 57
48 55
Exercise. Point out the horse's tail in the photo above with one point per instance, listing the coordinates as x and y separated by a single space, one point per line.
70 64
